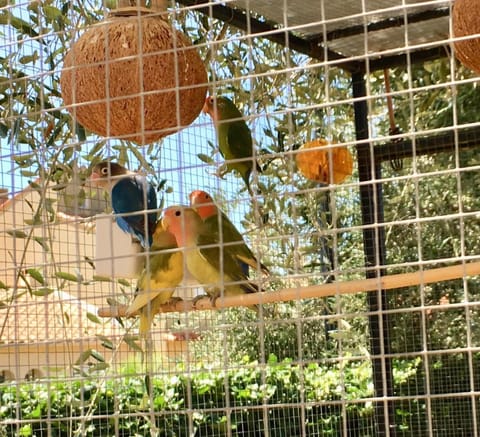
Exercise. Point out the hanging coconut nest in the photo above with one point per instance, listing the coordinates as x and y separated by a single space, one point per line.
466 21
313 161
133 76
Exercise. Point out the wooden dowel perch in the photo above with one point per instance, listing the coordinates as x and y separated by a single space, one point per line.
331 289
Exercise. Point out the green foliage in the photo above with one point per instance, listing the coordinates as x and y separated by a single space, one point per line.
247 400
123 401
445 236
49 150
305 230
309 234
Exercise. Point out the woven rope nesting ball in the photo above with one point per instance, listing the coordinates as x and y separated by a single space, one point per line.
466 21
142 79
313 161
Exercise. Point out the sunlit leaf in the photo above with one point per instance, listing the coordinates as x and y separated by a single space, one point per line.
94 151
67 276
16 233
122 155
18 23
205 158
97 367
37 275
43 242
34 185
80 131
83 357
33 222
43 291
132 342
113 302
140 158
51 12
26 430
124 282
93 318
97 355
102 278
106 342
26 159
27 59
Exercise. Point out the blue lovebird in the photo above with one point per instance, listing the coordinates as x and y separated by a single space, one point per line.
129 193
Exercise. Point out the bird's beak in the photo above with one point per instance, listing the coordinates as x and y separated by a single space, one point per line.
191 195
205 107
94 179
163 224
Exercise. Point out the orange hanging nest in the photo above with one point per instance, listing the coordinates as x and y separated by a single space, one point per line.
314 162
134 76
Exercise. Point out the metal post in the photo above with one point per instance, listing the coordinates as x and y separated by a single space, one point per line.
371 198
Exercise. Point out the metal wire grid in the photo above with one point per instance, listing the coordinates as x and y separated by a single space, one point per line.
438 399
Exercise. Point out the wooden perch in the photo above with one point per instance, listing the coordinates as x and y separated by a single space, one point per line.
331 289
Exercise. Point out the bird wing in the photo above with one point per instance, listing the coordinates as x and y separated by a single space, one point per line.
229 235
238 139
231 264
128 196
164 274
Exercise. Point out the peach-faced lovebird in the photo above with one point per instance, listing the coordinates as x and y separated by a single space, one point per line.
233 135
129 193
161 275
207 261
222 229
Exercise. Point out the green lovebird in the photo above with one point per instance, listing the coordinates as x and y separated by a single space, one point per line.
234 137
219 272
222 229
160 277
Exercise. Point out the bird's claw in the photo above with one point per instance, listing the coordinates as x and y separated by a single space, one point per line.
198 298
220 173
213 299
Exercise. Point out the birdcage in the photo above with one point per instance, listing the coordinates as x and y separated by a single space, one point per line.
239 218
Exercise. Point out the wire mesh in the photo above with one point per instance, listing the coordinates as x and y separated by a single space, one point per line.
377 79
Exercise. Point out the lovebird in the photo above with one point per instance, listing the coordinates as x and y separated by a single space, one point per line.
129 193
222 229
157 283
233 135
216 269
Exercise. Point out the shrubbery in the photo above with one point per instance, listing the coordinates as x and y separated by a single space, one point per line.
120 405
281 397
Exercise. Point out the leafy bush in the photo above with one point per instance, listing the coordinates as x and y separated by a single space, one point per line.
282 397
256 396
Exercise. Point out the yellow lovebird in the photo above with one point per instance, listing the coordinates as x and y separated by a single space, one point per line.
219 272
157 283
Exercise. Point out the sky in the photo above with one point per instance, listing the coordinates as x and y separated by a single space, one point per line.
179 151
179 163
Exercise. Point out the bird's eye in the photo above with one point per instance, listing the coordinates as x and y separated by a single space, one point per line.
211 100
178 213
105 170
